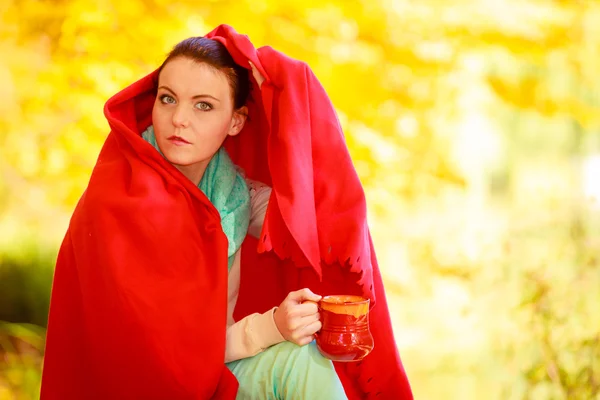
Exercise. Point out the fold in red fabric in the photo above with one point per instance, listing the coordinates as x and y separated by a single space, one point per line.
139 299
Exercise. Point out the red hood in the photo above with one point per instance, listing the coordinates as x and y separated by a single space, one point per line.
300 152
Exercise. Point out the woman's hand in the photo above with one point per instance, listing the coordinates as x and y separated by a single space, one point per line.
259 78
297 318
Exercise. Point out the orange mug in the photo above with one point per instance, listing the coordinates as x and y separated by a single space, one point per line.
345 334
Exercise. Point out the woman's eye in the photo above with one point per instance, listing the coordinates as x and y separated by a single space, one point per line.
204 106
166 99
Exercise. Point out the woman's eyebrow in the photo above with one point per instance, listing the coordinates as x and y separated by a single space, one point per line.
166 88
194 97
205 95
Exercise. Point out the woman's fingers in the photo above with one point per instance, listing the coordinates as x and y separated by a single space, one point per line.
305 309
306 334
312 328
310 319
302 295
296 324
305 340
259 78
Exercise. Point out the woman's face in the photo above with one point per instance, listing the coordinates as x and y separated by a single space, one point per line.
193 114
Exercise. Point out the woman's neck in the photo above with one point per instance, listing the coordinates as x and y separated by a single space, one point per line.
193 172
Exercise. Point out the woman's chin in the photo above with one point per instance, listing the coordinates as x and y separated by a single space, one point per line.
182 162
193 168
179 156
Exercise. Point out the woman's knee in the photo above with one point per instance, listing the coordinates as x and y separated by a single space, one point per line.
288 371
309 375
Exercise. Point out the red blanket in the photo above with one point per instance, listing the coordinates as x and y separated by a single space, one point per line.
138 305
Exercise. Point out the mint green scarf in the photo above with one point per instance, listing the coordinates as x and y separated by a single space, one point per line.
227 191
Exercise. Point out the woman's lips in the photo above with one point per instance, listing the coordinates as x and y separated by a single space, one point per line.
178 140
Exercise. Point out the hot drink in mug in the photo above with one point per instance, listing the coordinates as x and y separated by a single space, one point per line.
345 334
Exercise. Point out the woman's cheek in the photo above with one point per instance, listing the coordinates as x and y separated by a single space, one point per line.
160 120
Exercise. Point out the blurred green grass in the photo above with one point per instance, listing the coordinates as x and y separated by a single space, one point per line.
25 283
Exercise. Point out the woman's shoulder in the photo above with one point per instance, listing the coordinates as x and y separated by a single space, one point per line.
256 186
259 192
259 200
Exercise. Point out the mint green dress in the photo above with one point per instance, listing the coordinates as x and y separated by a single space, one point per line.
287 371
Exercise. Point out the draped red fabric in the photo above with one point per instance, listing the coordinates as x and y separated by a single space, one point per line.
139 299
315 232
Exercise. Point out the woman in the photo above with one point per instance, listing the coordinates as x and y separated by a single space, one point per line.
142 304
201 100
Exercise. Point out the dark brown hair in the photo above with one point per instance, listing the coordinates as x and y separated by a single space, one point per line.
215 54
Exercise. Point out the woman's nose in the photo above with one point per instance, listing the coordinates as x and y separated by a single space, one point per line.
181 117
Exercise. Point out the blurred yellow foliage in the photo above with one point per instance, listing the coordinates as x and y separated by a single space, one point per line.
450 109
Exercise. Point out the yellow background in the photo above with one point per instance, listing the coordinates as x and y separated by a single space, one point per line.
474 126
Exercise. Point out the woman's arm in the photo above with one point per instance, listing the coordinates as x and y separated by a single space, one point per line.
295 320
256 332
251 335
259 195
